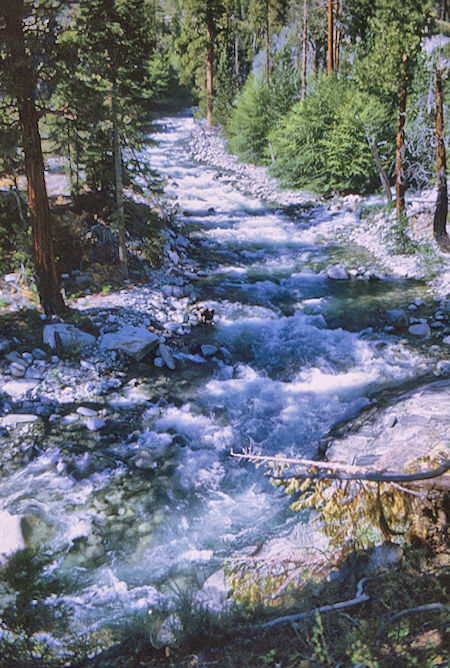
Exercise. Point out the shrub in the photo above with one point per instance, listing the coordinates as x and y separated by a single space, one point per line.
322 143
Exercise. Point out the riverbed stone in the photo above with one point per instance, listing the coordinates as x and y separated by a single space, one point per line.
166 355
397 318
13 419
17 369
70 336
19 388
137 342
420 329
208 350
338 273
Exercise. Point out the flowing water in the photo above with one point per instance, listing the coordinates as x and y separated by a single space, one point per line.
297 353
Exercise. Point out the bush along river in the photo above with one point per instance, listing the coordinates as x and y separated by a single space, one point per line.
260 330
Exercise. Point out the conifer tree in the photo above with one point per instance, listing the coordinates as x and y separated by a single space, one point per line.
19 80
107 49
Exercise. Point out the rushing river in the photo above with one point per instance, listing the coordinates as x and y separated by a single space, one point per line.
297 353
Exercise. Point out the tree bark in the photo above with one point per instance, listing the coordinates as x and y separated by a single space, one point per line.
210 34
399 153
123 267
440 215
330 38
23 89
267 42
305 27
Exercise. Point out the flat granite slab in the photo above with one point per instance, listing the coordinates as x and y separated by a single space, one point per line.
412 425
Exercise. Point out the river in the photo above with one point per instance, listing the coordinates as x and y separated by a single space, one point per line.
295 353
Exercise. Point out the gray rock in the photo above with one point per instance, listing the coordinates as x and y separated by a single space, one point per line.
39 354
166 290
14 419
208 349
136 342
338 273
94 423
86 412
421 330
5 345
166 355
71 337
173 257
17 369
19 388
446 340
397 318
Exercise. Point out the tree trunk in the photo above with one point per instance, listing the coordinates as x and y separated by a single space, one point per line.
123 267
23 86
267 42
381 173
330 38
440 215
210 34
336 36
399 154
305 27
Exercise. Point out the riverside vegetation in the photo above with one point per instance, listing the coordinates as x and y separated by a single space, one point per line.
346 100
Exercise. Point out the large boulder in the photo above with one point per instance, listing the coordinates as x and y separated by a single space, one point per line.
70 336
137 342
397 318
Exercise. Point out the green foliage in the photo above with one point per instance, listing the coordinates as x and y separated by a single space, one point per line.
259 108
251 121
322 143
393 38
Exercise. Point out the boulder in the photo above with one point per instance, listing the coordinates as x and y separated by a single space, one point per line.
70 336
166 355
208 349
13 419
137 342
17 389
338 273
397 318
421 329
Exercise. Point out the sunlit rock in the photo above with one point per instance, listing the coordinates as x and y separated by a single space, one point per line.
19 388
137 342
338 273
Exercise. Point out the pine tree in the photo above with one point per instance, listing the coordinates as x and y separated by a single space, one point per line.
20 81
107 50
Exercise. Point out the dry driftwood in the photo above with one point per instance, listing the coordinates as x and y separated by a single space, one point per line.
338 471
360 597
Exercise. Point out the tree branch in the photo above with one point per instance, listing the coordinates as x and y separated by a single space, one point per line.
347 472
360 597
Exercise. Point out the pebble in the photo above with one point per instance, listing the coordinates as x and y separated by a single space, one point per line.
94 423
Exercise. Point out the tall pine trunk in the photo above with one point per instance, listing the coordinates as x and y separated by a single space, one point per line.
267 31
305 27
123 267
440 215
210 35
330 38
23 87
399 153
